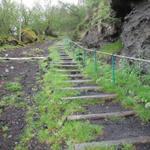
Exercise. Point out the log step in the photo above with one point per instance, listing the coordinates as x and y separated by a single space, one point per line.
67 66
82 88
65 63
78 81
100 96
74 75
101 116
69 71
131 140
66 58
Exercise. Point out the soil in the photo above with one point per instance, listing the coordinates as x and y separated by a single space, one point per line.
122 128
37 49
103 108
13 118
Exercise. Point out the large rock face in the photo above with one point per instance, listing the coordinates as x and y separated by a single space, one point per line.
101 34
136 33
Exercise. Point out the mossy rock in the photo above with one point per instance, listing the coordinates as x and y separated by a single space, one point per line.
12 41
28 36
2 42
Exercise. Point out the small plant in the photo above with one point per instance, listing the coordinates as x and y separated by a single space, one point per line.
13 86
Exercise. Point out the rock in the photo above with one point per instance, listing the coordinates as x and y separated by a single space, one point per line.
49 32
6 70
136 34
28 36
12 67
101 33
147 106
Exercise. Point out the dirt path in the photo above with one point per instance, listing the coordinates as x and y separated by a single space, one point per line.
117 128
12 116
37 49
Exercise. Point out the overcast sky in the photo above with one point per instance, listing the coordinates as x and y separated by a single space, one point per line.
30 3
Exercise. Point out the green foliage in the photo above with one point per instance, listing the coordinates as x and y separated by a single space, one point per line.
8 16
12 100
130 89
13 86
50 125
113 48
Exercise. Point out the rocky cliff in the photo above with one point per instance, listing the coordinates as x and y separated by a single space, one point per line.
112 19
115 19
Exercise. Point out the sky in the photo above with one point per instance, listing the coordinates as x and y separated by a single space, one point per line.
30 3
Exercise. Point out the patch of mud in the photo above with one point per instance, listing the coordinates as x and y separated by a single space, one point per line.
35 145
13 120
122 128
37 49
103 108
142 147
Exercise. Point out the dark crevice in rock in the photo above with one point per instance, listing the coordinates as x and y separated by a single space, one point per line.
124 7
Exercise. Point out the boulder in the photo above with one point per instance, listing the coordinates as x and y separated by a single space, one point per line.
136 34
28 36
49 32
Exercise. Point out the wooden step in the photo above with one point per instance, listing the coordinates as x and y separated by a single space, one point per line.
67 66
66 59
101 116
88 97
82 88
64 55
65 63
131 140
79 81
74 75
69 71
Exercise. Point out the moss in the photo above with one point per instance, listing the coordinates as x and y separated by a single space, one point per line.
28 36
112 48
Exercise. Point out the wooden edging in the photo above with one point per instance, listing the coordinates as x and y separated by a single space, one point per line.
23 58
132 140
101 96
82 88
101 116
78 81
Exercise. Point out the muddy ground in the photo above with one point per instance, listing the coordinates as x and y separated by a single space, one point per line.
12 118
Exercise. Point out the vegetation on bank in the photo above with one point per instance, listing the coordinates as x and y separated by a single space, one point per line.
131 90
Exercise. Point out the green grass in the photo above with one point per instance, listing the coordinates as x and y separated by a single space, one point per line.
113 48
13 86
51 125
5 47
131 88
12 100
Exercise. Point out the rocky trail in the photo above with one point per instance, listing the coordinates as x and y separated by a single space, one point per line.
121 126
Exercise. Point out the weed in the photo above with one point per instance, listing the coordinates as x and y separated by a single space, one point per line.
47 117
13 86
129 85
